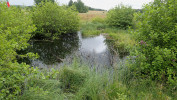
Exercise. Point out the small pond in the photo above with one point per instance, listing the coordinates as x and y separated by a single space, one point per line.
93 51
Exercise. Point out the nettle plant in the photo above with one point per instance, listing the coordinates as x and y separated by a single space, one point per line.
157 36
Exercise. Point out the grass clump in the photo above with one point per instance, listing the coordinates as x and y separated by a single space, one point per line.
40 89
72 79
121 41
93 88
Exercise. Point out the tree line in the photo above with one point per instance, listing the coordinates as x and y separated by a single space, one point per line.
80 6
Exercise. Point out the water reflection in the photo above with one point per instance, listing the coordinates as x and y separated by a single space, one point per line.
52 52
93 51
95 44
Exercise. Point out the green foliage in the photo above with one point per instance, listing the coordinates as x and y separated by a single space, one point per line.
39 1
120 17
54 21
12 79
81 8
15 31
70 3
157 36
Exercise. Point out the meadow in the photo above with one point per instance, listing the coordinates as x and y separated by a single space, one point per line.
90 15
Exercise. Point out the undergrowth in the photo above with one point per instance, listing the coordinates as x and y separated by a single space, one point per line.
80 82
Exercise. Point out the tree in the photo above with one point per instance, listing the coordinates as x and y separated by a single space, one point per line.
81 7
39 1
70 3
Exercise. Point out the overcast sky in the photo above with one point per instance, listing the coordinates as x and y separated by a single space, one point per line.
102 4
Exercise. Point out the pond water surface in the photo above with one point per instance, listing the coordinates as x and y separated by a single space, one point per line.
92 50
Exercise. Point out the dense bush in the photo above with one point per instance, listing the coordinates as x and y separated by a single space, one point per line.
120 17
15 28
54 21
157 35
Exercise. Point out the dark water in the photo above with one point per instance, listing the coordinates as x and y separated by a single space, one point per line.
93 51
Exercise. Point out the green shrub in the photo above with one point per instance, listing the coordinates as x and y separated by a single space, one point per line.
120 17
15 31
54 21
157 35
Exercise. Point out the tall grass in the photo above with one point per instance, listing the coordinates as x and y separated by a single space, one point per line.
92 29
81 82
